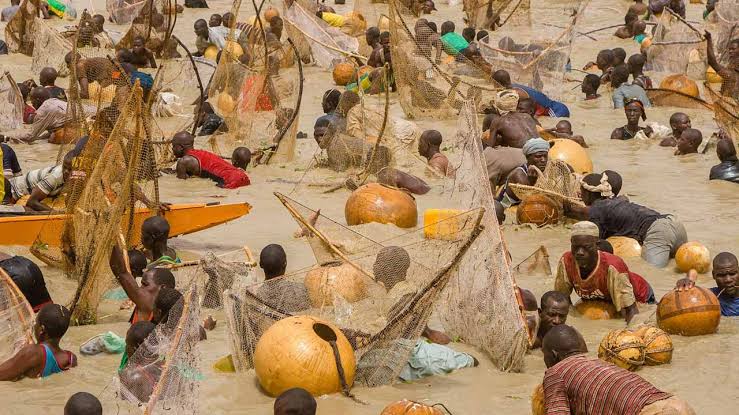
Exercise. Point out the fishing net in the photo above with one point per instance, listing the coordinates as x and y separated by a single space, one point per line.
124 11
677 48
16 318
54 50
154 23
105 212
432 83
11 104
480 303
725 110
556 181
723 23
258 96
20 30
380 293
492 14
163 375
537 54
536 264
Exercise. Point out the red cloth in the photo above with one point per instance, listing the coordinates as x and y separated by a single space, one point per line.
595 286
255 85
583 385
27 112
212 165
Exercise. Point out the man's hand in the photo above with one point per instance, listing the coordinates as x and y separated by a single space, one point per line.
165 206
117 261
688 282
707 35
209 323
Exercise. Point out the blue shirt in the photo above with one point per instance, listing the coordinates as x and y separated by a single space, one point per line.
626 91
729 305
555 108
11 167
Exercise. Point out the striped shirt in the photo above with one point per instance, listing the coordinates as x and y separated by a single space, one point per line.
582 385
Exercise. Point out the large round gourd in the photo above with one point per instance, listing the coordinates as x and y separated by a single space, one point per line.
295 353
537 401
375 202
658 345
406 407
693 255
712 77
343 73
680 83
211 53
625 247
225 103
571 153
692 312
538 209
334 278
596 310
622 348
234 49
270 14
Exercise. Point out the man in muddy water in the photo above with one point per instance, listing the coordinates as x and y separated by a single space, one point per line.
536 152
729 72
679 122
600 276
634 110
728 169
689 141
89 70
725 272
553 311
202 163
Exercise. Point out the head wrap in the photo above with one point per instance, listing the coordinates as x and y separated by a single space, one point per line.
506 101
585 228
535 145
604 188
639 104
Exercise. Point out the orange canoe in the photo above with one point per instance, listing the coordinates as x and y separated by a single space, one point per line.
183 219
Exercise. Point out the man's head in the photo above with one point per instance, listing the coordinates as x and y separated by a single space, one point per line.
330 100
536 151
276 26
506 101
139 45
98 21
429 143
689 141
634 109
615 180
227 19
553 310
584 244
137 262
619 56
241 157
83 403
630 18
215 20
153 280
639 27
385 39
428 6
295 401
47 76
201 28
527 106
136 336
726 273
391 266
595 187
619 75
154 230
502 77
482 36
604 59
347 101
507 43
468 33
732 51
725 150
15 2
273 260
564 127
181 142
561 342
447 27
590 84
372 35
165 305
52 321
679 122
636 63
39 95
321 132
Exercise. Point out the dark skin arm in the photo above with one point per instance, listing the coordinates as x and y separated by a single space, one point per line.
576 212
617 134
34 201
27 362
712 54
629 312
519 177
82 79
128 282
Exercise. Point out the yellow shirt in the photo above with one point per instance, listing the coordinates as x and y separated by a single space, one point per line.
333 19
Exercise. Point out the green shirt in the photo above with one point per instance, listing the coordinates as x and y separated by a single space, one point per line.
453 43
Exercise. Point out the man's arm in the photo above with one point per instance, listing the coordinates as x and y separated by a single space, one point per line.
34 201
618 99
152 61
576 211
562 281
20 364
556 400
519 177
83 81
127 281
712 54
493 136
622 293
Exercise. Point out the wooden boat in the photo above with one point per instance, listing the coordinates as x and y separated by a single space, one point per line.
183 219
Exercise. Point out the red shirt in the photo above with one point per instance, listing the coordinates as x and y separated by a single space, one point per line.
218 169
27 112
595 286
581 385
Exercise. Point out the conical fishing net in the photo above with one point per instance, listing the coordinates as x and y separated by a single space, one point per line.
492 14
20 30
537 54
55 49
380 293
16 318
535 264
677 48
327 43
124 11
11 104
725 110
163 376
105 212
723 23
258 95
154 23
556 181
480 303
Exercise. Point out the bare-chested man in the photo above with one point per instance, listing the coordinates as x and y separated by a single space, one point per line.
89 70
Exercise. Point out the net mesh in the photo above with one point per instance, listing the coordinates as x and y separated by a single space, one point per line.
124 11
492 14
11 104
258 95
163 375
380 293
480 304
16 318
55 48
725 110
20 30
154 23
723 23
677 48
556 181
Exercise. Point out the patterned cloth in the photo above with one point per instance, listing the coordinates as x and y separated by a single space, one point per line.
49 180
581 385
218 169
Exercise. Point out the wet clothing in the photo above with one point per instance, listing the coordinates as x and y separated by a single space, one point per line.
643 81
454 43
500 161
583 385
333 19
29 279
49 180
503 197
663 239
628 91
57 92
628 135
729 304
8 13
50 116
222 172
51 366
11 167
429 359
27 112
620 217
727 170
669 406
545 106
609 281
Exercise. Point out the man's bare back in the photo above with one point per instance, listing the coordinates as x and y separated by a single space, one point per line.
512 130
